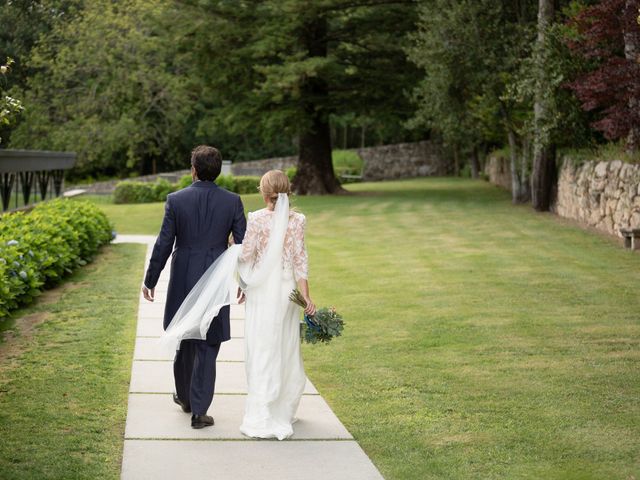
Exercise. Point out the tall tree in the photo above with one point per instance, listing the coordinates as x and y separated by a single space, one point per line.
470 51
608 35
288 66
22 24
544 166
108 86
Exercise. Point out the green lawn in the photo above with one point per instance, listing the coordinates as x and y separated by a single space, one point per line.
483 340
63 386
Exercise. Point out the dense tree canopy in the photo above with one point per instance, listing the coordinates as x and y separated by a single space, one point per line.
133 85
287 67
608 34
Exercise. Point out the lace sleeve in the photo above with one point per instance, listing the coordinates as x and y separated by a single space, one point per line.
250 241
300 259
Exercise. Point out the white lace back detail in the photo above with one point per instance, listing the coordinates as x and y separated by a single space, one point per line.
294 253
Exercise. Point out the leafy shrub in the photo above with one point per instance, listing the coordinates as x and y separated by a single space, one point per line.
38 248
129 191
246 184
184 182
142 192
162 188
227 182
291 173
346 162
349 164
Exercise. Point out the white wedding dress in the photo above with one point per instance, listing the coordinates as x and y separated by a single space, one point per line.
267 264
275 375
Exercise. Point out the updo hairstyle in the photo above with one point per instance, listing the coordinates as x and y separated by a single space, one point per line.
274 182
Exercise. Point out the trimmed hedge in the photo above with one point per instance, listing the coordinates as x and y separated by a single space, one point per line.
240 184
246 184
38 248
130 191
184 182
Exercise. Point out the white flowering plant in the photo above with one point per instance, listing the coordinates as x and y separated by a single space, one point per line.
10 107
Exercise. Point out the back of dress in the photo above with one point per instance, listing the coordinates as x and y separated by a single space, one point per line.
294 254
273 362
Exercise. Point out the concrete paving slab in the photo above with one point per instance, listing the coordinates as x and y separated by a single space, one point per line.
237 328
152 327
157 377
157 301
236 312
155 416
146 239
169 450
151 310
149 327
250 460
232 351
149 349
161 289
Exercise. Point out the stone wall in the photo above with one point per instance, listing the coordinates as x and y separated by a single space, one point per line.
498 169
260 167
386 162
402 160
604 195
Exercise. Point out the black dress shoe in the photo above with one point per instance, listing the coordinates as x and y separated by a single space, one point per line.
201 421
185 408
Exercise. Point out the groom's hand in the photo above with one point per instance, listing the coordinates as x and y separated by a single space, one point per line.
240 296
148 294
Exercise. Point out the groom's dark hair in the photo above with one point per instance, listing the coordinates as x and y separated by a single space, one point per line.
207 162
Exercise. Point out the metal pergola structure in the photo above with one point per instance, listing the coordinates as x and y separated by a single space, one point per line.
22 170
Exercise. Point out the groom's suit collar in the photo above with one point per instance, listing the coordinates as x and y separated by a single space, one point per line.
203 184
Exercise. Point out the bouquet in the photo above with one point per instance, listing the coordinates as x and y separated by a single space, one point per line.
321 327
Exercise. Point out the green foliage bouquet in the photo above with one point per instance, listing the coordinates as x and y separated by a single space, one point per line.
321 327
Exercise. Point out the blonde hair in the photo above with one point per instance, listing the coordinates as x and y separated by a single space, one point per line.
274 182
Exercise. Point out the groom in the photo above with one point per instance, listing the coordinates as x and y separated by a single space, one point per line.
198 220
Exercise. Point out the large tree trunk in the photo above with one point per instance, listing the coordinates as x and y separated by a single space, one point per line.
544 161
518 164
315 168
456 160
475 163
631 34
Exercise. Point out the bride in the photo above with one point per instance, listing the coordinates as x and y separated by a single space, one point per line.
270 263
275 375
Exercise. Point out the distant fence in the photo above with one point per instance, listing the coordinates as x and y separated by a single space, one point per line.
28 176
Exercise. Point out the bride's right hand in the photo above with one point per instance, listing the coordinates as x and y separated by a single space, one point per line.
311 308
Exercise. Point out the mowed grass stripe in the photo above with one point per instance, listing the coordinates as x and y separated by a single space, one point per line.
63 393
483 339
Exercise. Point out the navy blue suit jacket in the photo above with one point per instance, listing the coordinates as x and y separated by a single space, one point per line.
197 220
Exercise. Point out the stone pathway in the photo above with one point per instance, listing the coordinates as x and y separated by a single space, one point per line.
160 443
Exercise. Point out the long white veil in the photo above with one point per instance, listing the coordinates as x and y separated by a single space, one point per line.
213 290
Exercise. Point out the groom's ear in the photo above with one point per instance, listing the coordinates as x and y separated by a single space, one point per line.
194 175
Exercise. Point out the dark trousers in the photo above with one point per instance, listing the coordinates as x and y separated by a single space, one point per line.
194 370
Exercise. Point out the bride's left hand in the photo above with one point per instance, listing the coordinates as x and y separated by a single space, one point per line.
311 308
